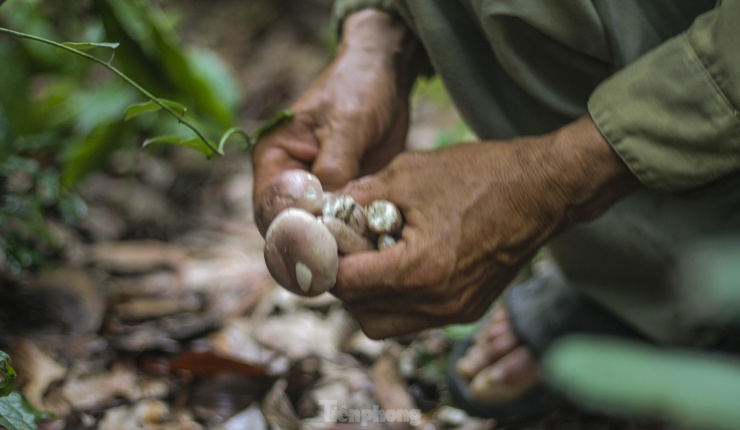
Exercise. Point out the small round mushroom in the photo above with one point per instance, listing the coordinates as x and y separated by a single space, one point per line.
383 217
345 208
386 241
291 189
300 253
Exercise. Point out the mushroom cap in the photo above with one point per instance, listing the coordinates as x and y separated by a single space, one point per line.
383 217
300 253
345 208
293 188
386 241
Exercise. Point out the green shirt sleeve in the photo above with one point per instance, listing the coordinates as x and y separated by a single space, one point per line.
343 8
673 114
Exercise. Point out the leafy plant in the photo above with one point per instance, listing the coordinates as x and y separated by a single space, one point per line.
30 190
177 110
60 118
15 412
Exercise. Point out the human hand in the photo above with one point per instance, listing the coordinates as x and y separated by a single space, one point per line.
354 118
474 214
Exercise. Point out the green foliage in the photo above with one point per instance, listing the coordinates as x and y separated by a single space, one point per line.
461 133
15 412
87 46
7 375
173 139
60 118
137 109
30 191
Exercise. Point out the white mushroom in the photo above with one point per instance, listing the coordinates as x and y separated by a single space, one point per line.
300 253
383 217
345 208
291 189
386 241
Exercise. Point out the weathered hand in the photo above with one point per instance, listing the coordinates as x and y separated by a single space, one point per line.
474 214
354 118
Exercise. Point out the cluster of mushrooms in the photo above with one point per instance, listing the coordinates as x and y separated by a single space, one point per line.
306 230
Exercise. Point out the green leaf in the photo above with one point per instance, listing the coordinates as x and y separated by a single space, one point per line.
102 105
208 67
151 106
194 143
689 389
7 375
86 46
17 414
89 154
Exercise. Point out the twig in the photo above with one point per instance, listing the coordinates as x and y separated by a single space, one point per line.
120 74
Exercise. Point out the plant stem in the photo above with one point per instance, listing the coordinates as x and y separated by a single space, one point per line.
121 75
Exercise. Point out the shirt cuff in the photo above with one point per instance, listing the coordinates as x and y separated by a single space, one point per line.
667 116
344 8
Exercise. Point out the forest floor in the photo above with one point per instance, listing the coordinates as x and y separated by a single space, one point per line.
163 314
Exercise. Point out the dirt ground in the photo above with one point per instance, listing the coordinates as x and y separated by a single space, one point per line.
163 315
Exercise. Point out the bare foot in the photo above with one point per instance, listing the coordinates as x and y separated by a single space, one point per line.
499 367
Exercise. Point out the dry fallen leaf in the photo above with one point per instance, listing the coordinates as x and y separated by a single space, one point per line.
39 369
305 333
136 256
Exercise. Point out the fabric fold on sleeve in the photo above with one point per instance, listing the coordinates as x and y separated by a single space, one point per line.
672 115
343 8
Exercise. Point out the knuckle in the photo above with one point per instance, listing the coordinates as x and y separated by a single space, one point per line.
434 272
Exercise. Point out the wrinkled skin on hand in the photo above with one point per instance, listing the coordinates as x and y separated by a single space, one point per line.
344 126
474 214
353 119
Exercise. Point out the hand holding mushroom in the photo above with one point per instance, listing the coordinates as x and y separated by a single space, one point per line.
474 214
301 250
353 120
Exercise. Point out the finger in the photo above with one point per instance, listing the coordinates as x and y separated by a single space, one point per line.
382 325
285 149
429 304
338 162
508 378
480 356
368 188
274 160
369 274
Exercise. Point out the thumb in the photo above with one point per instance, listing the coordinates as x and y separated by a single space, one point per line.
367 189
337 163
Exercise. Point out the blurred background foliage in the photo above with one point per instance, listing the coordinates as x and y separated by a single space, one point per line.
61 116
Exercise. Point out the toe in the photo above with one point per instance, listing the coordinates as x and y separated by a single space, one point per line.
482 355
508 378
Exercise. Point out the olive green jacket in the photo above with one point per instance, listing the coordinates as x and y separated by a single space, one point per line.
660 78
